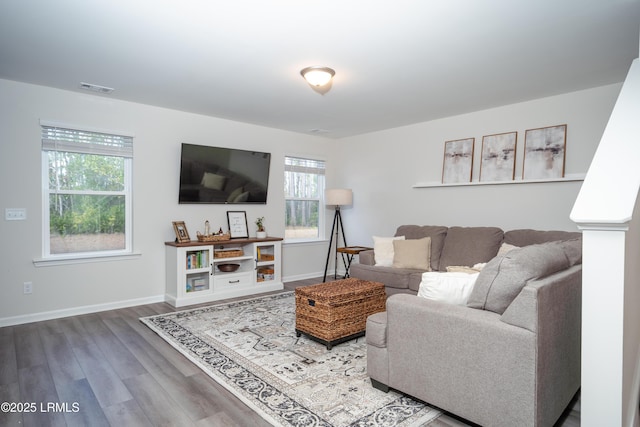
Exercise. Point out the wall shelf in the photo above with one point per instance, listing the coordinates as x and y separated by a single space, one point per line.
567 178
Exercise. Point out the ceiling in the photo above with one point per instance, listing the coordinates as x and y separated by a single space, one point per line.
397 62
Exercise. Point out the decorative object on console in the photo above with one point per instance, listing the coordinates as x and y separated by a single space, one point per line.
227 268
209 237
261 233
544 152
336 197
237 221
212 237
498 160
458 161
182 235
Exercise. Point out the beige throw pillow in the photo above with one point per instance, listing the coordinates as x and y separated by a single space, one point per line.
412 253
383 250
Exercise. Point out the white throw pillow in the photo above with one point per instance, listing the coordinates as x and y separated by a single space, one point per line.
383 250
451 288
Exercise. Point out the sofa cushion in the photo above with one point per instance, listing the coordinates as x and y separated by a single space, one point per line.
502 279
391 277
525 237
383 250
412 253
469 246
450 288
435 232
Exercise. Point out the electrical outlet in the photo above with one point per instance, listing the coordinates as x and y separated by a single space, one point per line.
28 288
15 214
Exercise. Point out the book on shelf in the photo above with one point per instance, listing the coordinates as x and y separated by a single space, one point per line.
199 259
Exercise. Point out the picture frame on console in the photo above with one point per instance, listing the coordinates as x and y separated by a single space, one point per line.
458 161
237 221
182 235
498 159
544 152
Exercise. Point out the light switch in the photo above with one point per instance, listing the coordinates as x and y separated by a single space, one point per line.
15 214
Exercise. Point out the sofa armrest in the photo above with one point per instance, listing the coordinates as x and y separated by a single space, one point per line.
366 257
562 289
552 307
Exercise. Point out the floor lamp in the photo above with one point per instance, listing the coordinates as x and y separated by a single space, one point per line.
336 197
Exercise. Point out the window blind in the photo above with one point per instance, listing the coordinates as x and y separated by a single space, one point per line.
296 164
80 141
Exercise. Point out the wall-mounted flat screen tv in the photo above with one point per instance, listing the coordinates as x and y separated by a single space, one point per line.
223 175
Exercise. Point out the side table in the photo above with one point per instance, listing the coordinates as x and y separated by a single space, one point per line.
348 253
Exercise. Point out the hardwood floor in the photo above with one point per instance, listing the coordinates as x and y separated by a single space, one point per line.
108 368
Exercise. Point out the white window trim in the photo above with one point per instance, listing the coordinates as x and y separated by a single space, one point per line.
49 259
84 258
321 209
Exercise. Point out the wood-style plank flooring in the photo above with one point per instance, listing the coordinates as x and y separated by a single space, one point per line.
108 369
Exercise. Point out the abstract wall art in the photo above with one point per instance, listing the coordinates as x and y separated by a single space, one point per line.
498 159
458 161
544 152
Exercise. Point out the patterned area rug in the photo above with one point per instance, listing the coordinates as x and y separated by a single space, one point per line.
251 348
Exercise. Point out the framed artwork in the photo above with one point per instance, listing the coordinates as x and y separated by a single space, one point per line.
544 152
498 160
458 161
237 221
182 235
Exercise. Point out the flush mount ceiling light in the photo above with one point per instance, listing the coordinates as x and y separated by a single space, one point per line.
317 76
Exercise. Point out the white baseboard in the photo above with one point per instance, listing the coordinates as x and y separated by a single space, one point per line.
301 277
87 309
75 311
311 276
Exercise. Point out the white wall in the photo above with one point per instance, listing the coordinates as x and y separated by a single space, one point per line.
158 135
382 167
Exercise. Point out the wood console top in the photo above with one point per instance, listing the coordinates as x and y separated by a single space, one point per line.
223 242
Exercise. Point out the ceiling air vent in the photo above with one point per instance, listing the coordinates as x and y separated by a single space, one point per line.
96 88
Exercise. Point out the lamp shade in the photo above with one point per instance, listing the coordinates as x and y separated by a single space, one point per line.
317 76
338 196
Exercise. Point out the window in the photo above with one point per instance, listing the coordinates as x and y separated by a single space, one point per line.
304 193
86 179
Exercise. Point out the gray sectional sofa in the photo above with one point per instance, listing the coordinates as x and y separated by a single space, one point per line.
510 356
450 246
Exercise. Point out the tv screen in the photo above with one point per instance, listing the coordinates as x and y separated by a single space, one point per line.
223 175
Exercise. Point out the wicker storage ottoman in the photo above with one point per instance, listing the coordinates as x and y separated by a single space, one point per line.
337 311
